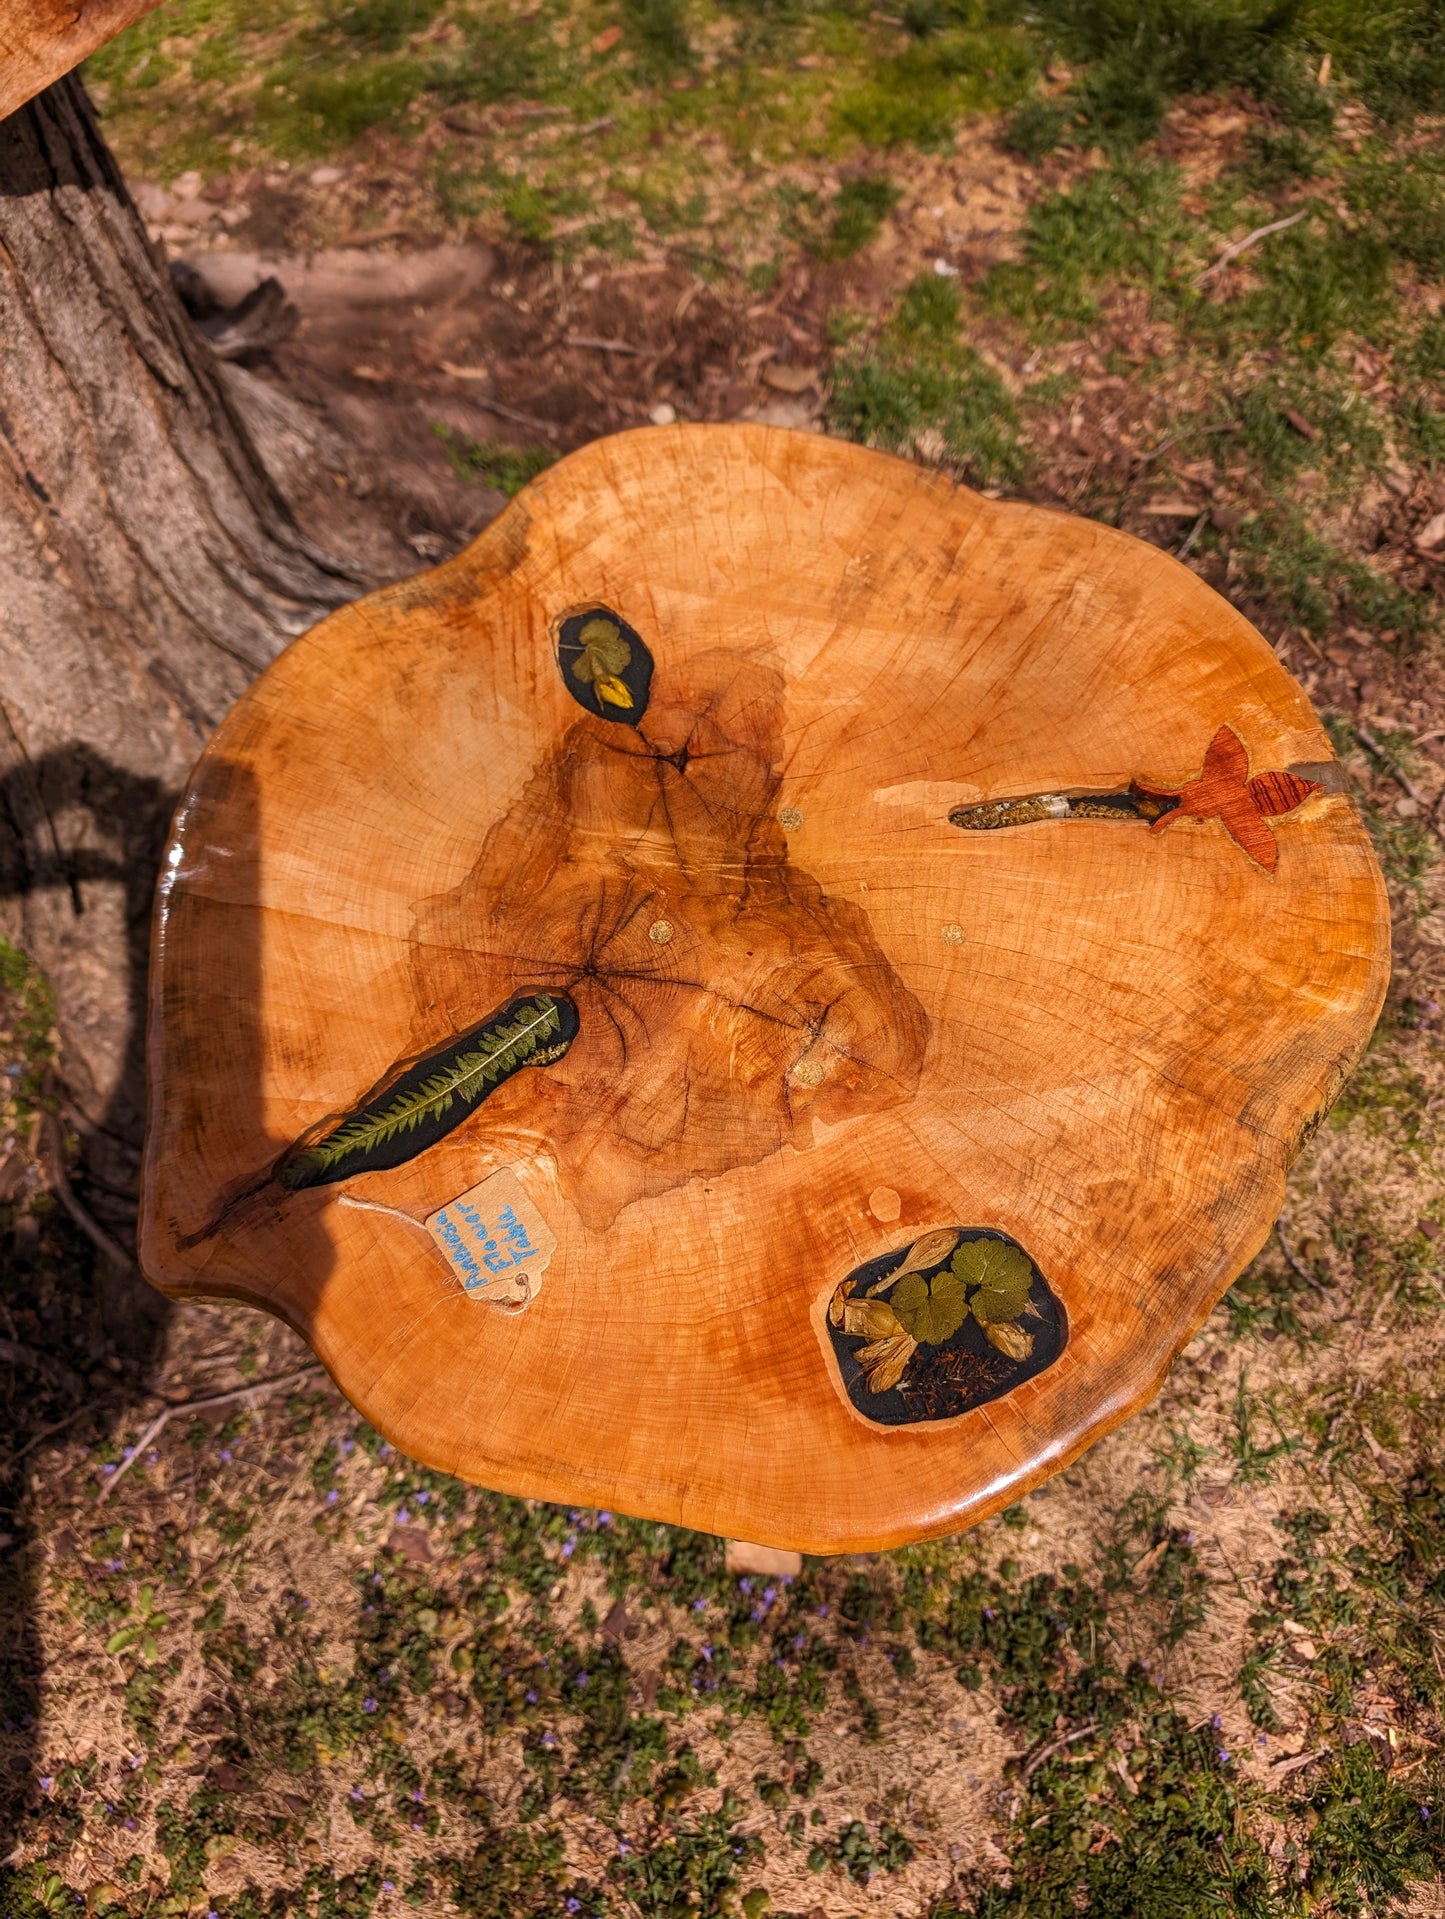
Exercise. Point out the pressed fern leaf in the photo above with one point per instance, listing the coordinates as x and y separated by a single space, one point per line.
427 1098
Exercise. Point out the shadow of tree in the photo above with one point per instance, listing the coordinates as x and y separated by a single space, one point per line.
83 1332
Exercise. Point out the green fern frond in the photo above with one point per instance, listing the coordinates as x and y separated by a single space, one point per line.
466 1077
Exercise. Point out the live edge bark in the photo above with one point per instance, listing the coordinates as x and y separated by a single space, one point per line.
150 570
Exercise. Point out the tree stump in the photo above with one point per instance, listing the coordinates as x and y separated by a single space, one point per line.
772 993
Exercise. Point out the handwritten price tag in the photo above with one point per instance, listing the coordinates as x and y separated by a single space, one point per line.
495 1240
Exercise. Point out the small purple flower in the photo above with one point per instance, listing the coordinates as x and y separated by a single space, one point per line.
549 1742
705 1652
383 1449
822 1612
531 1697
623 1847
745 1585
756 1613
348 1446
402 1515
225 1455
770 1593
1223 1756
604 1519
46 1784
129 1825
422 1498
1216 1722
573 1905
129 1453
418 1795
356 1793
569 1546
368 1705
699 1605
117 1565
580 1680
388 1885
107 1469
331 1499
1424 1812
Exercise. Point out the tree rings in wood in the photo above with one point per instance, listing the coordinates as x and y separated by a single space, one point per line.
818 1027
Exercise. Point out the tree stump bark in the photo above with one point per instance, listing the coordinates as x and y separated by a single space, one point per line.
771 993
151 570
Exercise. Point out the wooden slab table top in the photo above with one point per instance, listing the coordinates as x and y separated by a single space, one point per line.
771 993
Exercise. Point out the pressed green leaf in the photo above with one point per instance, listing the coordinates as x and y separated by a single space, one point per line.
1002 1275
150 1649
910 1296
930 1315
604 650
118 1641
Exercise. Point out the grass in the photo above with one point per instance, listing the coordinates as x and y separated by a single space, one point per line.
917 387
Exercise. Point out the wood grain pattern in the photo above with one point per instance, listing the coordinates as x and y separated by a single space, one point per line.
816 1022
42 39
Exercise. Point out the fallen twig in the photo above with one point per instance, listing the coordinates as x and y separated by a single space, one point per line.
1293 1264
1233 251
1057 1746
370 236
511 413
65 1193
1186 546
604 346
49 1432
260 1390
1387 760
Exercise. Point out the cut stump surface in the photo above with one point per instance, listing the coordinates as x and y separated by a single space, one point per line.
771 993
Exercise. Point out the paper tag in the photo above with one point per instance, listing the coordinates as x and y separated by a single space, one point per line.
495 1240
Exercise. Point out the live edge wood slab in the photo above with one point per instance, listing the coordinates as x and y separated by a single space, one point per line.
771 993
